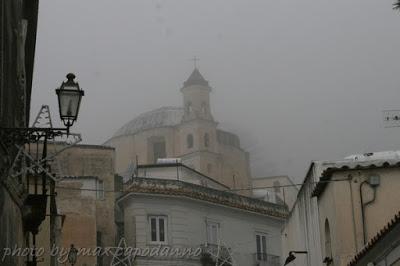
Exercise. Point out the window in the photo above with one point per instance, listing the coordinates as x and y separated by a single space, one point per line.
100 190
204 108
261 243
159 150
189 107
189 141
206 140
158 229
212 233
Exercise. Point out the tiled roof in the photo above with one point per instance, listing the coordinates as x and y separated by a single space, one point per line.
192 191
381 234
350 165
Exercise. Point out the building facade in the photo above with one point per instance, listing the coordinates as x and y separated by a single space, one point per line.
301 231
18 23
341 208
85 202
181 215
188 132
356 199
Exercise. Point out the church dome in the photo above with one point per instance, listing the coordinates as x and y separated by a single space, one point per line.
161 117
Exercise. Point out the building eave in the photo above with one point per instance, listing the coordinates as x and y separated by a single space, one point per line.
151 186
326 175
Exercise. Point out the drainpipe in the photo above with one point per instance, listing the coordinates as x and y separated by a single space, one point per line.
352 212
363 205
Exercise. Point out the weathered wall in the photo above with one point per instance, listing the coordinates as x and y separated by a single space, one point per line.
11 228
82 167
340 204
17 43
76 223
98 161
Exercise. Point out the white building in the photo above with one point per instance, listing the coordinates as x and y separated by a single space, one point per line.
185 213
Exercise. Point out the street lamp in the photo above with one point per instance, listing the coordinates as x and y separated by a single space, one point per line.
69 99
292 257
34 212
72 255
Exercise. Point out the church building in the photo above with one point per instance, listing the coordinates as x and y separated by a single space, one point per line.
188 132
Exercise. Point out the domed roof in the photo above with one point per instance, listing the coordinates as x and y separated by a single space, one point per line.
161 117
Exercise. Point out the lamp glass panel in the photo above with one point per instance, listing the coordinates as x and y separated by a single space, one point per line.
69 103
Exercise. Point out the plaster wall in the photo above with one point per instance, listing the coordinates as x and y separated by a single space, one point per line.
340 203
187 226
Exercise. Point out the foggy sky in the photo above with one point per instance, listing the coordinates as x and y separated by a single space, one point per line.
298 80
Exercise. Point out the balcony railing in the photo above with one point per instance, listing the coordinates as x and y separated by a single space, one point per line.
265 259
219 253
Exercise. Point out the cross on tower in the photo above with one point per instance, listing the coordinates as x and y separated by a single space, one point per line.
195 59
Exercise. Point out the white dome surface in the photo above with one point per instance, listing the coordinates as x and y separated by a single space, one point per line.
161 117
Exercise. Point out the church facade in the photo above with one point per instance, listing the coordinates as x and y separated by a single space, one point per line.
188 132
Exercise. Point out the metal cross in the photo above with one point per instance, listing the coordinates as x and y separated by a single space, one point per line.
195 59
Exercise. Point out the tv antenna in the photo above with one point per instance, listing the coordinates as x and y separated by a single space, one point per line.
391 118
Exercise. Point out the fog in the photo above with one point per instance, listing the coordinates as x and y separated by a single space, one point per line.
297 80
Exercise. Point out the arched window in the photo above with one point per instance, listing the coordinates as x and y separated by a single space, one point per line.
189 107
328 243
203 107
189 141
206 140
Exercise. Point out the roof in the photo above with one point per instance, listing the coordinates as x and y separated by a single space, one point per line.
347 165
89 146
376 239
76 177
255 179
196 79
161 117
174 165
152 186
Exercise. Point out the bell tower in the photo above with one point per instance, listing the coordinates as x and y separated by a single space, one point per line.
198 130
196 97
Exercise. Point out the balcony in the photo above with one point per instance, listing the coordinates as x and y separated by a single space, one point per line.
216 254
265 259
